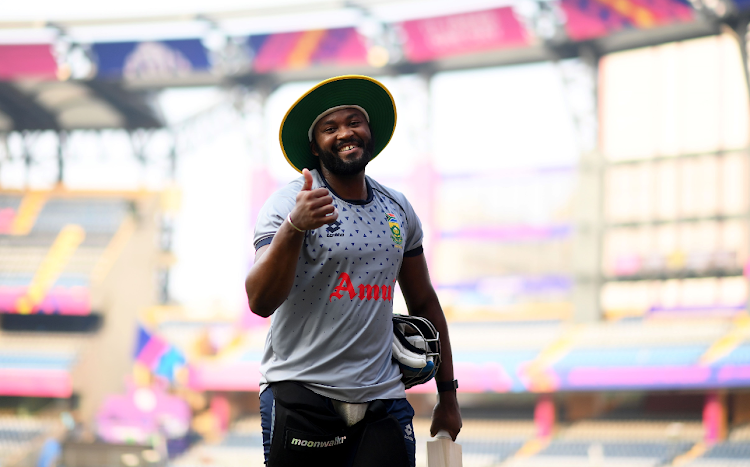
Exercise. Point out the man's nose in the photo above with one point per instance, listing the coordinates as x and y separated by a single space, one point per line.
345 132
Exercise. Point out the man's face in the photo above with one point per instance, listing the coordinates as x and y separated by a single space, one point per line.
343 142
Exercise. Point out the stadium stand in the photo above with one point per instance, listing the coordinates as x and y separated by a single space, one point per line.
39 365
649 429
728 450
654 333
94 214
61 253
737 356
23 437
724 454
594 452
242 445
642 356
56 247
633 430
484 442
488 442
109 454
740 433
63 297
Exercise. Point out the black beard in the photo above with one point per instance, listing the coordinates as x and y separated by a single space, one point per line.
337 166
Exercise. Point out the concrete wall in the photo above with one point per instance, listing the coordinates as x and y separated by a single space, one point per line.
128 289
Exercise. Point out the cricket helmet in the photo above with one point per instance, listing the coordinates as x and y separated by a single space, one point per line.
416 349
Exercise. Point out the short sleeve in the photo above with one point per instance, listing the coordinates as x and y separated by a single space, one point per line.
273 213
414 234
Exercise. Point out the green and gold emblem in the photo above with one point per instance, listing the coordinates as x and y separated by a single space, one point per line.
395 230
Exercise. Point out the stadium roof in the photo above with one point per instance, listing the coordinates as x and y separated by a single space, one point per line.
76 67
280 44
72 105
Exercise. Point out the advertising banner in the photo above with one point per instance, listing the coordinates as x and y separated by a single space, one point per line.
60 300
163 59
20 61
589 19
433 38
296 50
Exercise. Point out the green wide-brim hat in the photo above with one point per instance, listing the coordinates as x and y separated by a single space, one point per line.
340 91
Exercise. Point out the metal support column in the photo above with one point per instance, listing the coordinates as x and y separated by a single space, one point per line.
167 223
414 99
250 103
250 106
4 152
172 170
581 78
139 140
166 233
62 138
27 154
742 31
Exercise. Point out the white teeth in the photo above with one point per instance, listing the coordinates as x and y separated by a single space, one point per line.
346 148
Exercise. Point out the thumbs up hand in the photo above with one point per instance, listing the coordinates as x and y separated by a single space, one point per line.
307 185
314 208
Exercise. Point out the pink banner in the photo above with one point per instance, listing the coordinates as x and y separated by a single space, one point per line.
27 61
643 377
61 300
596 18
142 413
7 217
544 416
229 376
275 51
245 376
432 38
35 383
474 378
734 374
713 415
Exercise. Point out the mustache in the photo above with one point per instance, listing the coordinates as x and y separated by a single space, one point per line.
353 140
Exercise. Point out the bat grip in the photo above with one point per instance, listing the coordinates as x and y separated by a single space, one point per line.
442 434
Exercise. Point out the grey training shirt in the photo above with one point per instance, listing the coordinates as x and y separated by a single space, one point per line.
334 331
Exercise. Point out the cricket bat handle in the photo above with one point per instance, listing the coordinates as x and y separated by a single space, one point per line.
443 452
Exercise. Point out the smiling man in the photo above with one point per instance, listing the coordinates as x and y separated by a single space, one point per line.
330 247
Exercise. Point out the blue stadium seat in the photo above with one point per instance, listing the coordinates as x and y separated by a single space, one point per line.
94 215
729 450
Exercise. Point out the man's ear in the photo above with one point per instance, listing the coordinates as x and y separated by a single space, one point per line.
313 148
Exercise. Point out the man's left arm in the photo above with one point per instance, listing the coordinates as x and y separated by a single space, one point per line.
421 300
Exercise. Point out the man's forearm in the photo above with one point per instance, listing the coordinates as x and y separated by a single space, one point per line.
421 300
446 414
271 278
434 313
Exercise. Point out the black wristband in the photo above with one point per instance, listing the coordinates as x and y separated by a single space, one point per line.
445 386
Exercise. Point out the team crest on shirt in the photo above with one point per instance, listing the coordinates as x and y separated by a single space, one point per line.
395 230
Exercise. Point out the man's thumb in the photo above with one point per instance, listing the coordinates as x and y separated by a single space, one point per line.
307 186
